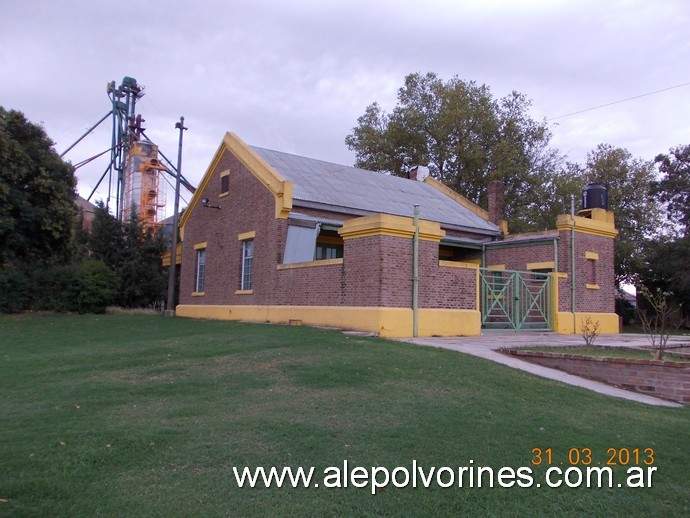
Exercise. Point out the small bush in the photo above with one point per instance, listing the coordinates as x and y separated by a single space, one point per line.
15 291
590 331
97 286
85 287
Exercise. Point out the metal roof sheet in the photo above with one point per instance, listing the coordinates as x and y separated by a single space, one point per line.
344 187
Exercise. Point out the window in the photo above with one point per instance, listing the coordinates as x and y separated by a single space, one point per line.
328 251
200 269
224 183
329 245
247 264
309 241
459 253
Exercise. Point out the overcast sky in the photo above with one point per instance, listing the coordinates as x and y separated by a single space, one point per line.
295 76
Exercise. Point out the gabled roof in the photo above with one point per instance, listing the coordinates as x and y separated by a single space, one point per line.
351 190
299 181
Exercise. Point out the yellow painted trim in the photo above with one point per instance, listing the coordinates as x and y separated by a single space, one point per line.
592 286
224 194
200 246
272 179
309 264
597 215
554 299
224 173
496 267
457 197
608 322
541 266
198 294
244 292
561 275
459 264
389 225
449 322
262 171
592 255
165 258
246 235
599 227
388 322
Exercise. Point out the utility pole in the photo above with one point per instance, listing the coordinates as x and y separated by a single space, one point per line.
170 306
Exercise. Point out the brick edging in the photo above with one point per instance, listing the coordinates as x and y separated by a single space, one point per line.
661 378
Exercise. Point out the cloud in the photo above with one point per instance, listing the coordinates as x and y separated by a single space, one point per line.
294 76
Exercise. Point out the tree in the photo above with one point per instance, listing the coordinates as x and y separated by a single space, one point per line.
467 138
637 211
655 316
674 187
106 241
665 269
141 267
133 253
37 192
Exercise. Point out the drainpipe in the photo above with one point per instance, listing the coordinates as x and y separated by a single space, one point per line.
554 289
572 260
415 273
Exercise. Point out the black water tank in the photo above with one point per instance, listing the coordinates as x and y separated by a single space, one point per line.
595 196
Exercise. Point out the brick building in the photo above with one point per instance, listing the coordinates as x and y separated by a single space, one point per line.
274 237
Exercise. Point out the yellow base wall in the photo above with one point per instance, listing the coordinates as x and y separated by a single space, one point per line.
608 322
387 322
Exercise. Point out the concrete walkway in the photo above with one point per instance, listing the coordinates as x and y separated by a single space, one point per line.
485 347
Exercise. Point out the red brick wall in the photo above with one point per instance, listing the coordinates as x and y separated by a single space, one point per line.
310 286
444 286
600 300
517 258
666 379
248 207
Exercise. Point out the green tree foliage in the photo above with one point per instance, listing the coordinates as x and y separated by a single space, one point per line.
107 239
133 253
467 138
637 211
141 269
665 268
86 286
674 187
46 260
37 210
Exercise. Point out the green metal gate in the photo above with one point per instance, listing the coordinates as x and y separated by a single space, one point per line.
515 301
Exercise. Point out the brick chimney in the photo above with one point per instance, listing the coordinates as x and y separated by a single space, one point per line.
495 193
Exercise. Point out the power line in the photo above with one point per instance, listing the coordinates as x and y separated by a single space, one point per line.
618 102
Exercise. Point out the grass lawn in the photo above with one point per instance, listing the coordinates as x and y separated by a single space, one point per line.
126 415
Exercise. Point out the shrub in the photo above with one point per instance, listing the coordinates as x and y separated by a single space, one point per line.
97 286
85 287
15 291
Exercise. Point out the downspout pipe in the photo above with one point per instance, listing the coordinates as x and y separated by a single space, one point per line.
572 260
415 274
